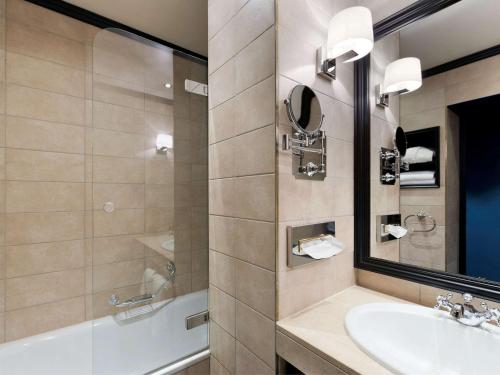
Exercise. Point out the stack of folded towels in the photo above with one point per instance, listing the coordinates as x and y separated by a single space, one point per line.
415 155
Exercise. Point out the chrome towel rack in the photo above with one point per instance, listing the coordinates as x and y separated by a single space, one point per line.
421 215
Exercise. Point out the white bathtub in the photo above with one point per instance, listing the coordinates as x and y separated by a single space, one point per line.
104 347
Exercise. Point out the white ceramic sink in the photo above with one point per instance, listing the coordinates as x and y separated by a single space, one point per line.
410 339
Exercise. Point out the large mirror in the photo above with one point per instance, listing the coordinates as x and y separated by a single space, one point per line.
431 214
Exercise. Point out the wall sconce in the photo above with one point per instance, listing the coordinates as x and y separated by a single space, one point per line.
164 142
350 33
401 77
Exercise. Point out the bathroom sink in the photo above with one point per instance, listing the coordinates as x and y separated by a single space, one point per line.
411 339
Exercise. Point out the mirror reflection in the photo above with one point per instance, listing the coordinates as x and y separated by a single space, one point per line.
435 205
304 110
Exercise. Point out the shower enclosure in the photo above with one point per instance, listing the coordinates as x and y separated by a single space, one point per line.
104 261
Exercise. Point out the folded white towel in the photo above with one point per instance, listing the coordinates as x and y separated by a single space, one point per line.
419 175
396 230
418 154
430 181
324 247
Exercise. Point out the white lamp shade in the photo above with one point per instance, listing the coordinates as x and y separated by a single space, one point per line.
403 74
350 30
164 141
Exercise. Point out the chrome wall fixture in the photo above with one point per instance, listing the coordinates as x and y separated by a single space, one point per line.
350 35
308 141
401 77
390 159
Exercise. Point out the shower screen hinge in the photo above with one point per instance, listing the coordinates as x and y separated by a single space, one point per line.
196 320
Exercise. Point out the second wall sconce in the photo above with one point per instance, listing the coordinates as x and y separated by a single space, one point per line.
350 33
164 142
401 77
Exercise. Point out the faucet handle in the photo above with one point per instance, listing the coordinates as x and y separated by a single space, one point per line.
468 298
444 302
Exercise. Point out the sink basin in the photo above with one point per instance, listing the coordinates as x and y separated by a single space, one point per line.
411 339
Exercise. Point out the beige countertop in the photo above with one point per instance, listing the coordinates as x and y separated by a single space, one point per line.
320 328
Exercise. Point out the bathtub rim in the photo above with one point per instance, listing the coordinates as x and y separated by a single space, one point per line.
182 363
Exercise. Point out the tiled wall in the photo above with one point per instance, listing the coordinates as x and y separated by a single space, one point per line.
302 27
78 129
242 185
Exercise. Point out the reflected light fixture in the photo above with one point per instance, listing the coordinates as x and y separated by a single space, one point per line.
164 142
350 34
168 85
401 77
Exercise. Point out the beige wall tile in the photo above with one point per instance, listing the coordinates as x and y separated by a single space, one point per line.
222 197
108 169
222 121
124 221
401 288
159 171
251 21
222 309
44 196
159 220
254 152
28 40
255 107
255 286
222 84
122 195
117 275
222 160
33 259
43 18
113 91
44 136
118 118
220 12
254 242
222 346
159 105
43 166
49 287
45 75
159 196
255 197
222 272
44 105
111 143
216 368
256 332
248 363
116 249
26 228
42 318
256 62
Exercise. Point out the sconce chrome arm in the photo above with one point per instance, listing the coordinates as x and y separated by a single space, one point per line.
382 99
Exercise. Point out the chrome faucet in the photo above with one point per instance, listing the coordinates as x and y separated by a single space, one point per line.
466 313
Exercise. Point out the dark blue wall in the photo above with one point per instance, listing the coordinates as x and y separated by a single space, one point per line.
480 141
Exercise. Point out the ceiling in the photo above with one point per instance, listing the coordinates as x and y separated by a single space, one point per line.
466 27
182 22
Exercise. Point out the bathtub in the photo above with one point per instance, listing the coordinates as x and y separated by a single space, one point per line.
156 344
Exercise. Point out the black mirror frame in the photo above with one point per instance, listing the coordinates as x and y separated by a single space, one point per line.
362 259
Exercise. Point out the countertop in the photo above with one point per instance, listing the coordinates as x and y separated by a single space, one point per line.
320 328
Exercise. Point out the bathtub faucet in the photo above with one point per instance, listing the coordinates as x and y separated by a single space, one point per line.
168 280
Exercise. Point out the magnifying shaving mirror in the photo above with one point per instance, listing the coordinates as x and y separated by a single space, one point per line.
308 141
